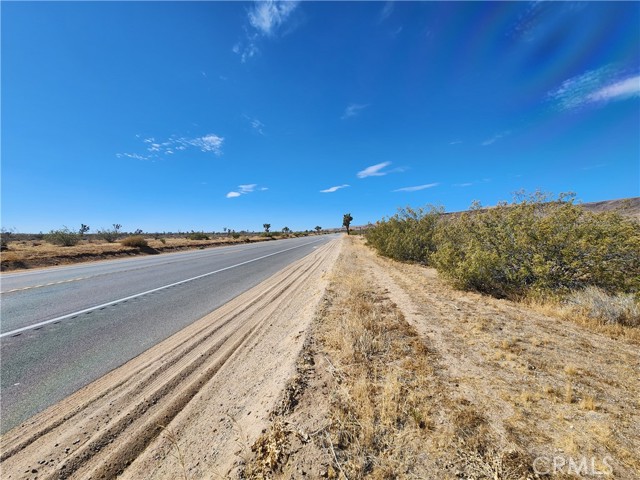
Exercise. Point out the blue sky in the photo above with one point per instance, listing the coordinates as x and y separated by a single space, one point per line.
177 116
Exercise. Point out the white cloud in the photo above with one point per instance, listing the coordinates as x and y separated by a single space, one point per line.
455 142
598 86
245 190
627 88
256 124
210 143
135 156
374 170
267 16
334 189
495 138
266 19
352 110
466 184
416 188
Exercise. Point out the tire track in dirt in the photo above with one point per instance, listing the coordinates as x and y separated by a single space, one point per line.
100 430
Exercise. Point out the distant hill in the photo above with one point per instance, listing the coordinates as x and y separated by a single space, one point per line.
629 207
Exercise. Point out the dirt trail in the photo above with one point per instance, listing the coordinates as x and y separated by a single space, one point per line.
190 406
551 386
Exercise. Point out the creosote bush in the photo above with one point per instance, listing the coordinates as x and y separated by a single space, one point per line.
408 235
63 237
534 246
137 241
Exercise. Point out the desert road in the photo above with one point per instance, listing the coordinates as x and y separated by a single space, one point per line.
64 327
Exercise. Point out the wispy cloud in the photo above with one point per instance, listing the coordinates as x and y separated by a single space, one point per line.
417 187
266 19
495 138
210 143
455 142
256 124
466 184
268 16
135 156
334 189
244 190
386 11
596 87
374 170
352 110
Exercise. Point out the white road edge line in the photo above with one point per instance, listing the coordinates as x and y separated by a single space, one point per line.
113 302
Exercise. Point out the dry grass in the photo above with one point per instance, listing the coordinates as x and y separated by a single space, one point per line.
428 382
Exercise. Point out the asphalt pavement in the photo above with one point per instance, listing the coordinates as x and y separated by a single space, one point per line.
63 327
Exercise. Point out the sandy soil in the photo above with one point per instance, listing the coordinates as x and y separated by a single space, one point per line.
510 390
189 407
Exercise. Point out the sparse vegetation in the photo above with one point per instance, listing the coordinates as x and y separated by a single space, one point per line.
137 241
266 227
63 237
109 235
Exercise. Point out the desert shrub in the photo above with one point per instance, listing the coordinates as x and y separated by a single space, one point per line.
163 241
198 236
108 235
611 309
235 235
538 246
63 237
137 241
406 236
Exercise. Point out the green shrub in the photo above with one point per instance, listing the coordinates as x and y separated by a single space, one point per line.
535 246
137 241
197 236
63 237
408 235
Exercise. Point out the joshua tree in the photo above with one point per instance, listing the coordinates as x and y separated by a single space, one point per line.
83 229
346 221
285 230
318 228
266 226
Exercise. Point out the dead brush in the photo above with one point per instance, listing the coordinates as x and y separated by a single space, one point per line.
593 302
270 452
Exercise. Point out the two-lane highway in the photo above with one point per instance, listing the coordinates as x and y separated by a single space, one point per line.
64 327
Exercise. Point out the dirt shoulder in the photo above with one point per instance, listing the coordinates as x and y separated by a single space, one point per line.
189 407
404 377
